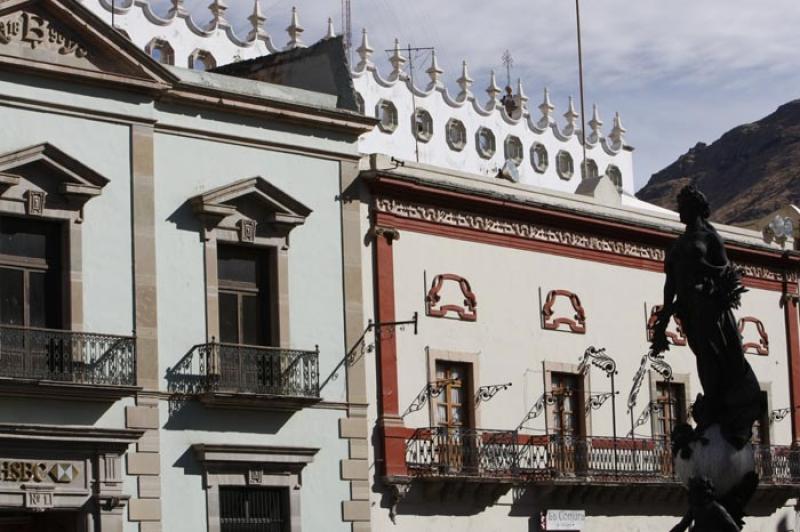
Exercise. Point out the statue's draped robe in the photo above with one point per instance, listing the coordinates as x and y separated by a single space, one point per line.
732 396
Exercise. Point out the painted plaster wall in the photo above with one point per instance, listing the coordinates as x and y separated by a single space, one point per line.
401 143
511 346
183 495
511 343
104 147
186 167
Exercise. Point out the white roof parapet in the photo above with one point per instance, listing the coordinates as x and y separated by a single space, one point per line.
218 9
540 134
178 9
295 31
257 21
435 73
521 100
365 53
596 126
398 62
572 117
493 91
547 109
465 82
617 135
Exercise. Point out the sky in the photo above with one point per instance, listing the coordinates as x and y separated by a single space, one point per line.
678 71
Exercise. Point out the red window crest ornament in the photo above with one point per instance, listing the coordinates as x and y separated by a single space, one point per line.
433 301
674 336
759 346
576 324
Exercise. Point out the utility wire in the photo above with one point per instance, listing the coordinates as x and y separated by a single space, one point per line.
580 79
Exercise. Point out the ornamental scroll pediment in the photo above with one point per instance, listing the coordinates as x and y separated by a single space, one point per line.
755 340
554 320
65 37
674 333
437 306
253 209
43 177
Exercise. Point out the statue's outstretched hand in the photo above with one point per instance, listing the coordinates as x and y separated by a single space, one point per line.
660 343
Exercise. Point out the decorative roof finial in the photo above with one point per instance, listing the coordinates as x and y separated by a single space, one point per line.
522 98
331 31
493 91
595 124
218 9
465 82
398 62
547 108
295 31
178 8
572 118
365 52
257 20
434 72
617 134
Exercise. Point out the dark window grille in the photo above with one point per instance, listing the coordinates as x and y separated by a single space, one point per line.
246 509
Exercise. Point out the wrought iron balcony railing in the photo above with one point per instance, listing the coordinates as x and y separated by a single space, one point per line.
66 356
462 452
245 369
507 455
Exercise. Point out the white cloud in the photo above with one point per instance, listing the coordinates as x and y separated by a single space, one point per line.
679 70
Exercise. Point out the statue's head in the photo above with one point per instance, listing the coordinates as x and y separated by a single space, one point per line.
692 203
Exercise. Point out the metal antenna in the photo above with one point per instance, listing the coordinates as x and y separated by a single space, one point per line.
113 13
410 49
580 78
347 28
508 62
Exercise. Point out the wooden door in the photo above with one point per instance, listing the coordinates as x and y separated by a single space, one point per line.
454 417
568 420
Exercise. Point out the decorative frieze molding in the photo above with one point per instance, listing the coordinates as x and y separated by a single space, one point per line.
546 234
435 309
551 322
759 346
528 231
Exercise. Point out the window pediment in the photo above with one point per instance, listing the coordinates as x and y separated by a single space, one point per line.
32 174
255 200
67 38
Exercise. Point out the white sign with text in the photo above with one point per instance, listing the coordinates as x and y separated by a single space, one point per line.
565 520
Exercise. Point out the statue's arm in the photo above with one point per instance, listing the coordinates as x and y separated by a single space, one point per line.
684 524
660 343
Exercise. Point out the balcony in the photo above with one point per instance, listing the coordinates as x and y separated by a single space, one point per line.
65 363
563 470
248 376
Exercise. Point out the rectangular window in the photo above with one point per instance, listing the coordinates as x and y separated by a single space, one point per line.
669 408
761 426
30 273
453 405
568 401
244 295
253 509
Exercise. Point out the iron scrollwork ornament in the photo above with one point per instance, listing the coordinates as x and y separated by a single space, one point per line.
431 390
486 393
597 400
598 358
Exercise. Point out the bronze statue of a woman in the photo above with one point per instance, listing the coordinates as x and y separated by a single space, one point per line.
702 289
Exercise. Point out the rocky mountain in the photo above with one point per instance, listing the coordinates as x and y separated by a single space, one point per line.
749 172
